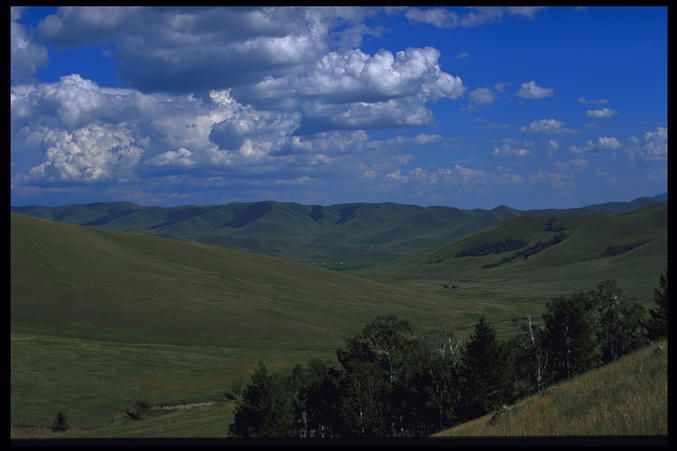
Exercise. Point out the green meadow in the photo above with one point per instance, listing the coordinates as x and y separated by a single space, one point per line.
101 319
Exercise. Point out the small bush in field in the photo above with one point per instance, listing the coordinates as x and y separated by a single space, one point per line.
60 422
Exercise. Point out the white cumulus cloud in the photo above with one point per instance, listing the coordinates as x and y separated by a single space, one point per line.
654 146
531 90
352 89
586 101
272 59
439 17
608 143
456 176
51 124
507 150
602 143
470 17
656 143
175 158
25 55
354 76
236 45
548 126
603 113
90 154
482 96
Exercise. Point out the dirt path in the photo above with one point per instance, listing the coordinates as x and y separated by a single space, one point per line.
183 406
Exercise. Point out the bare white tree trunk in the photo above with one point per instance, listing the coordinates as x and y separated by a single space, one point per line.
541 357
568 345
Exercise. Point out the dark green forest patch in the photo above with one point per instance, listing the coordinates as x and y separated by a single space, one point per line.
529 251
620 249
495 247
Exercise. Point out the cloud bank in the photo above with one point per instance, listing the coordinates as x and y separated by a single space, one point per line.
279 99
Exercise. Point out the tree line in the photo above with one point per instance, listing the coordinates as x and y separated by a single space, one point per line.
620 249
529 251
492 247
390 383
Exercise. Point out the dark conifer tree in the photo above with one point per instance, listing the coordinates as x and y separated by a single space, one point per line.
322 400
485 373
657 325
265 410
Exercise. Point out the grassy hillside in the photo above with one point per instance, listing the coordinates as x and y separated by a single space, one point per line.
626 397
575 263
349 233
100 319
160 290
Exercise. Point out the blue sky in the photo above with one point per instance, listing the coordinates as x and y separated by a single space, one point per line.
467 107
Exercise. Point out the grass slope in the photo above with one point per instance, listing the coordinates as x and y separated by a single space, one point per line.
626 397
100 319
158 290
356 232
571 265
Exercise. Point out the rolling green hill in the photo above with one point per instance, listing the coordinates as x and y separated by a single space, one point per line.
356 232
100 318
99 282
638 242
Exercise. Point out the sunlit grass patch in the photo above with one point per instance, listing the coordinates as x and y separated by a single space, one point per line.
626 397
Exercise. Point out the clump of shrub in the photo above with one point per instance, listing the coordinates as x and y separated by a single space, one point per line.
60 423
137 408
550 225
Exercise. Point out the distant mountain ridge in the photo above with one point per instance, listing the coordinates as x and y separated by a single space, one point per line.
313 233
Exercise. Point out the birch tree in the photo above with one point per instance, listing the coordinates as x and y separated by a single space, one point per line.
657 325
570 335
532 343
620 325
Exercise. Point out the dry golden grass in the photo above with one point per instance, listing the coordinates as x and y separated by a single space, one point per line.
627 397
